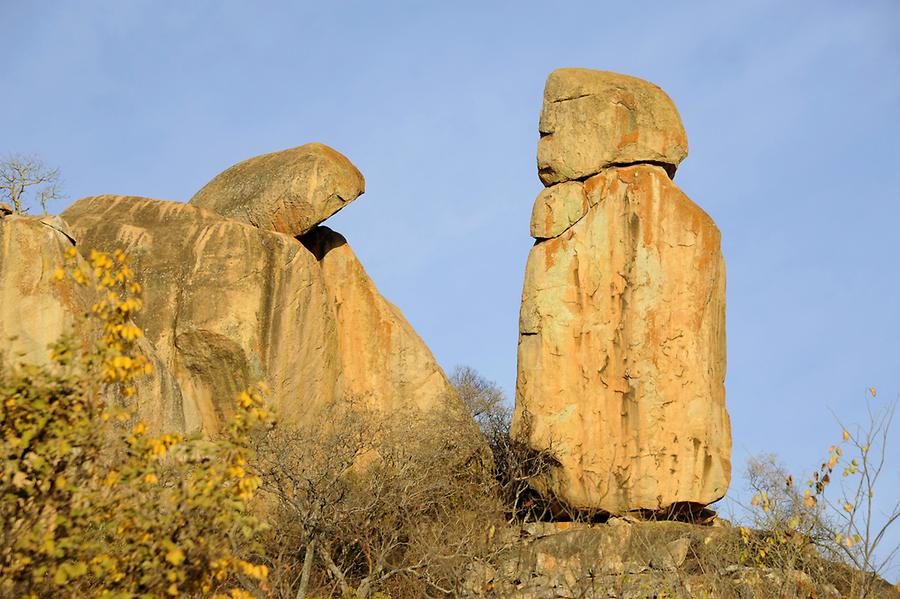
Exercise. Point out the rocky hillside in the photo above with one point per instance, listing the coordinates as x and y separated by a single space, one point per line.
242 284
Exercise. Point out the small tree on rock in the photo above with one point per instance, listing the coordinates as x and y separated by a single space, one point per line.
23 174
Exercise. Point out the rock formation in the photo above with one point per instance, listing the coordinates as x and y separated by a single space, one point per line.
232 297
35 308
289 191
621 359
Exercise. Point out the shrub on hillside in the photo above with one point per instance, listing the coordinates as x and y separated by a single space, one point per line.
360 503
91 504
831 516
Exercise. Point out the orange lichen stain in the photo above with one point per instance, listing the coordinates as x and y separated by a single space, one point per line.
548 218
627 139
551 246
595 187
546 562
626 121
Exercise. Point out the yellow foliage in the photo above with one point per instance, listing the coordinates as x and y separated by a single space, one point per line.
93 507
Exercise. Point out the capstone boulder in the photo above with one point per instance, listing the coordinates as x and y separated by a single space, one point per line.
594 119
289 192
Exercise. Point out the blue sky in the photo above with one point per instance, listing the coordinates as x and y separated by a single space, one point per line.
792 111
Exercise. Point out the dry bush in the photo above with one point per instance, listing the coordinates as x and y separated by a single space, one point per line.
360 503
831 531
515 464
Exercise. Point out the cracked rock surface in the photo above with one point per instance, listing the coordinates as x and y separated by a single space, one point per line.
593 119
621 358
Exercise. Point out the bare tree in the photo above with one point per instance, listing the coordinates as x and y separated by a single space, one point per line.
515 464
21 174
834 516
360 503
859 528
483 398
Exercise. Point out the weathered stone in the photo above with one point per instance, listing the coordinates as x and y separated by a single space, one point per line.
36 307
622 350
594 119
227 304
290 191
672 555
557 208
383 360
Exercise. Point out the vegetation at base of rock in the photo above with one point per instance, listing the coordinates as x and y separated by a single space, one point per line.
92 504
356 504
359 502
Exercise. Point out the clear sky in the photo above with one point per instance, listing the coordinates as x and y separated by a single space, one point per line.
792 110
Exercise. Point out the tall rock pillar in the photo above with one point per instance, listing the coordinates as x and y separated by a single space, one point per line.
621 359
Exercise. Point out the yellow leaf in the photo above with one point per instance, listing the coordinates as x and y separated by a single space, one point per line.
848 507
872 391
175 556
846 436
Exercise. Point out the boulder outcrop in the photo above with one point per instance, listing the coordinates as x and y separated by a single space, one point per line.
383 360
35 307
227 304
231 298
621 359
290 191
595 119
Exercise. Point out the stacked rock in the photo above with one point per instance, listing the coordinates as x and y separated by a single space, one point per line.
621 359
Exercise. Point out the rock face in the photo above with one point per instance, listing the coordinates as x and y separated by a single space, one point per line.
621 361
35 308
289 191
594 119
227 304
382 358
229 301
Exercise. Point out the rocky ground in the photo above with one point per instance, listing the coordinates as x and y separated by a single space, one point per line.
627 558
